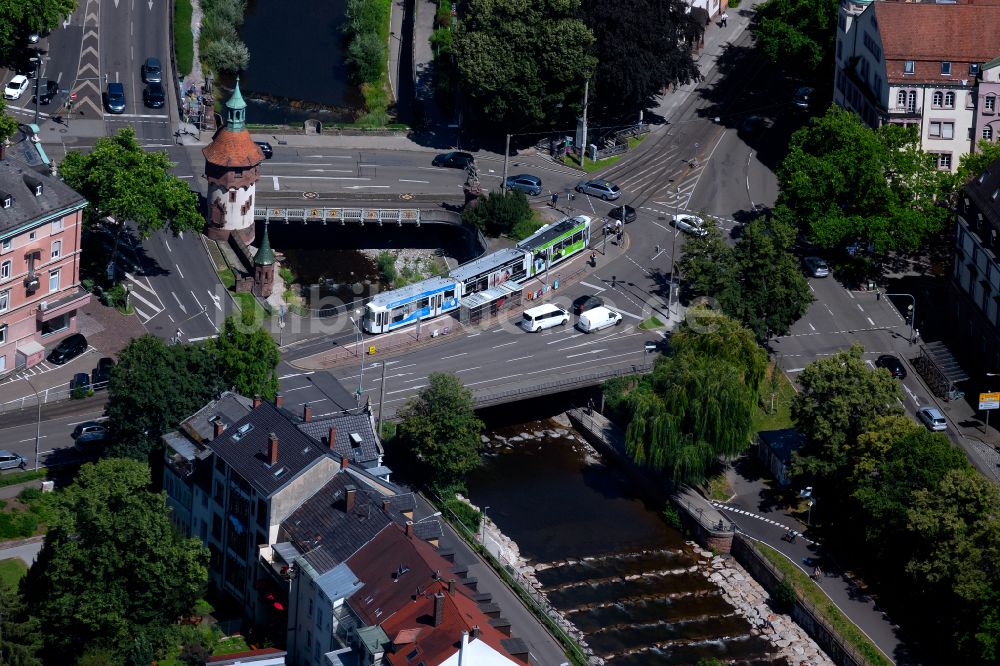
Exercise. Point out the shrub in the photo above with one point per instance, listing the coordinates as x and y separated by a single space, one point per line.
442 17
783 597
286 275
29 494
228 11
464 513
498 212
441 42
672 516
227 55
366 17
387 266
367 56
214 29
183 39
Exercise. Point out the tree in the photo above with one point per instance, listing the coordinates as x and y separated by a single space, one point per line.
24 17
154 387
112 563
523 64
8 125
227 55
798 33
642 46
706 263
873 445
440 427
839 398
248 356
366 55
861 191
20 635
972 164
498 212
123 181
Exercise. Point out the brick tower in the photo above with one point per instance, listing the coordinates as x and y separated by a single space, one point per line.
232 167
263 267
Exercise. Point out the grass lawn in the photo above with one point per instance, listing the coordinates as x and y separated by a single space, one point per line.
812 593
651 324
246 301
719 488
590 166
183 37
776 413
20 477
11 571
231 645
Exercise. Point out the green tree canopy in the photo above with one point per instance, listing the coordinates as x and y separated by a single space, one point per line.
706 263
112 561
8 125
848 186
248 357
498 212
798 34
124 181
840 397
642 46
24 17
440 427
972 164
20 635
523 63
154 387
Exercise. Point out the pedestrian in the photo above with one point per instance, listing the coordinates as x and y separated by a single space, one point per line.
816 573
590 406
618 226
614 281
725 19
555 199
593 259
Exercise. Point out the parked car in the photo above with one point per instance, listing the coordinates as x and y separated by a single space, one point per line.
90 432
154 96
16 87
816 267
102 373
932 418
753 124
626 214
542 317
892 364
803 98
454 159
597 319
81 380
10 460
50 91
584 303
599 188
265 148
151 71
68 349
530 185
116 98
690 224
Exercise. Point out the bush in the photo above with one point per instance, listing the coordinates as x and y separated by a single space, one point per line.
214 29
442 17
286 276
366 17
227 55
29 494
367 57
498 212
525 228
784 597
465 514
672 516
387 266
183 40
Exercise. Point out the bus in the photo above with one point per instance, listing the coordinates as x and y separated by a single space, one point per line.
555 242
401 307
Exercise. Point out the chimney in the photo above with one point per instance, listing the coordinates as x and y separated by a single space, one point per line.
218 427
438 609
256 401
474 634
344 462
451 586
307 412
332 436
386 504
272 448
409 528
349 495
279 400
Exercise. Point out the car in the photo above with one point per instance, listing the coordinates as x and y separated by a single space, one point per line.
803 98
51 90
754 123
151 71
626 214
81 380
116 97
89 431
585 303
530 185
10 460
892 364
454 159
265 148
68 349
154 96
16 87
932 418
689 224
102 373
599 188
816 267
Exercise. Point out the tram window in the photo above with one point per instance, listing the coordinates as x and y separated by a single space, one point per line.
423 303
577 237
397 315
449 294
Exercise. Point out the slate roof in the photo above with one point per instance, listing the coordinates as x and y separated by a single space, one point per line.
980 191
369 449
230 407
17 178
962 33
244 447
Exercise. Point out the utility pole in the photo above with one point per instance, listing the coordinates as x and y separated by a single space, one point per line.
506 159
586 98
381 400
38 63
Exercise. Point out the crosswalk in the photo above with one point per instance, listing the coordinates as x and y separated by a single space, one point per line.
144 300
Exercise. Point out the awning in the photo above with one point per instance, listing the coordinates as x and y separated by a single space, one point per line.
30 347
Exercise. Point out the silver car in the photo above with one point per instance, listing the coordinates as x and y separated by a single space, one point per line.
816 267
690 224
10 460
932 418
599 188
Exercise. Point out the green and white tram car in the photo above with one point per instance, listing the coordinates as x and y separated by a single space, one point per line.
555 242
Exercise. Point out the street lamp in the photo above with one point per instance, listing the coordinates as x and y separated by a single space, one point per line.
37 59
807 493
673 247
38 420
360 343
433 515
913 312
986 427
482 526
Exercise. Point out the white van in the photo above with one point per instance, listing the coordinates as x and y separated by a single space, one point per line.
596 319
542 317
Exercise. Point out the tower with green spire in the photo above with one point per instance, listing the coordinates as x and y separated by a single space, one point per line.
236 110
263 267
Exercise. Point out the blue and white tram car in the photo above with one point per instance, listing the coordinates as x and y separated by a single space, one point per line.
401 307
491 270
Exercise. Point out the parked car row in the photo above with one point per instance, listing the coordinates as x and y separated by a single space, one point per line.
154 95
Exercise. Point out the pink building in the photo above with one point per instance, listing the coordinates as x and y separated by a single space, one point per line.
40 222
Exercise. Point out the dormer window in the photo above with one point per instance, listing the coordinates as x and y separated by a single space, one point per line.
974 69
34 185
945 68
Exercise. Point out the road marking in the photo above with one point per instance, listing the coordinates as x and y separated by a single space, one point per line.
181 305
297 388
592 351
323 178
169 249
859 307
506 344
467 370
180 272
494 379
196 299
576 335
96 419
136 295
31 439
472 335
520 358
412 388
811 326
870 321
444 358
404 180
215 299
204 337
297 374
795 370
415 379
849 293
629 314
328 171
277 186
597 289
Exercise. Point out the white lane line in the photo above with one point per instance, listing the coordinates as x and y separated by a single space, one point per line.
870 321
96 419
215 299
472 335
271 164
169 249
584 362
467 370
859 307
179 271
181 305
592 351
444 358
494 379
521 358
274 179
196 300
629 314
297 388
204 337
849 293
404 180
575 335
31 439
412 388
595 288
132 279
811 326
506 344
142 315
415 379
135 295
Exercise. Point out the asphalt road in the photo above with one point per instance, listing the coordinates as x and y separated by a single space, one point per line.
55 446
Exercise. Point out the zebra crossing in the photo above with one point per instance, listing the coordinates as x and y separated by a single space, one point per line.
722 506
144 300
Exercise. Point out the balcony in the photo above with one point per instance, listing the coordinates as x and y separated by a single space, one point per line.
72 300
906 111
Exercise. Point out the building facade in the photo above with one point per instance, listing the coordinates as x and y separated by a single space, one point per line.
919 65
41 219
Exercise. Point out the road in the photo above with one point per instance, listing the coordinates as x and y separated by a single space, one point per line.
55 446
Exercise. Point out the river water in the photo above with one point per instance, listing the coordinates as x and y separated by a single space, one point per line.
605 559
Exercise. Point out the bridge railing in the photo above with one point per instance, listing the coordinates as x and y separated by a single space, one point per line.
359 216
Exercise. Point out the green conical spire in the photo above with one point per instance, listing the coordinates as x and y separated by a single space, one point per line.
265 255
236 109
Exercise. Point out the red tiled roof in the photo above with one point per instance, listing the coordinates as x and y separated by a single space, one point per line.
924 31
233 149
406 636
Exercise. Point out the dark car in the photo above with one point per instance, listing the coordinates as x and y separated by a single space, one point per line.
265 148
49 90
892 364
453 159
116 98
81 380
803 98
154 96
585 303
68 349
530 185
626 214
151 71
102 373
